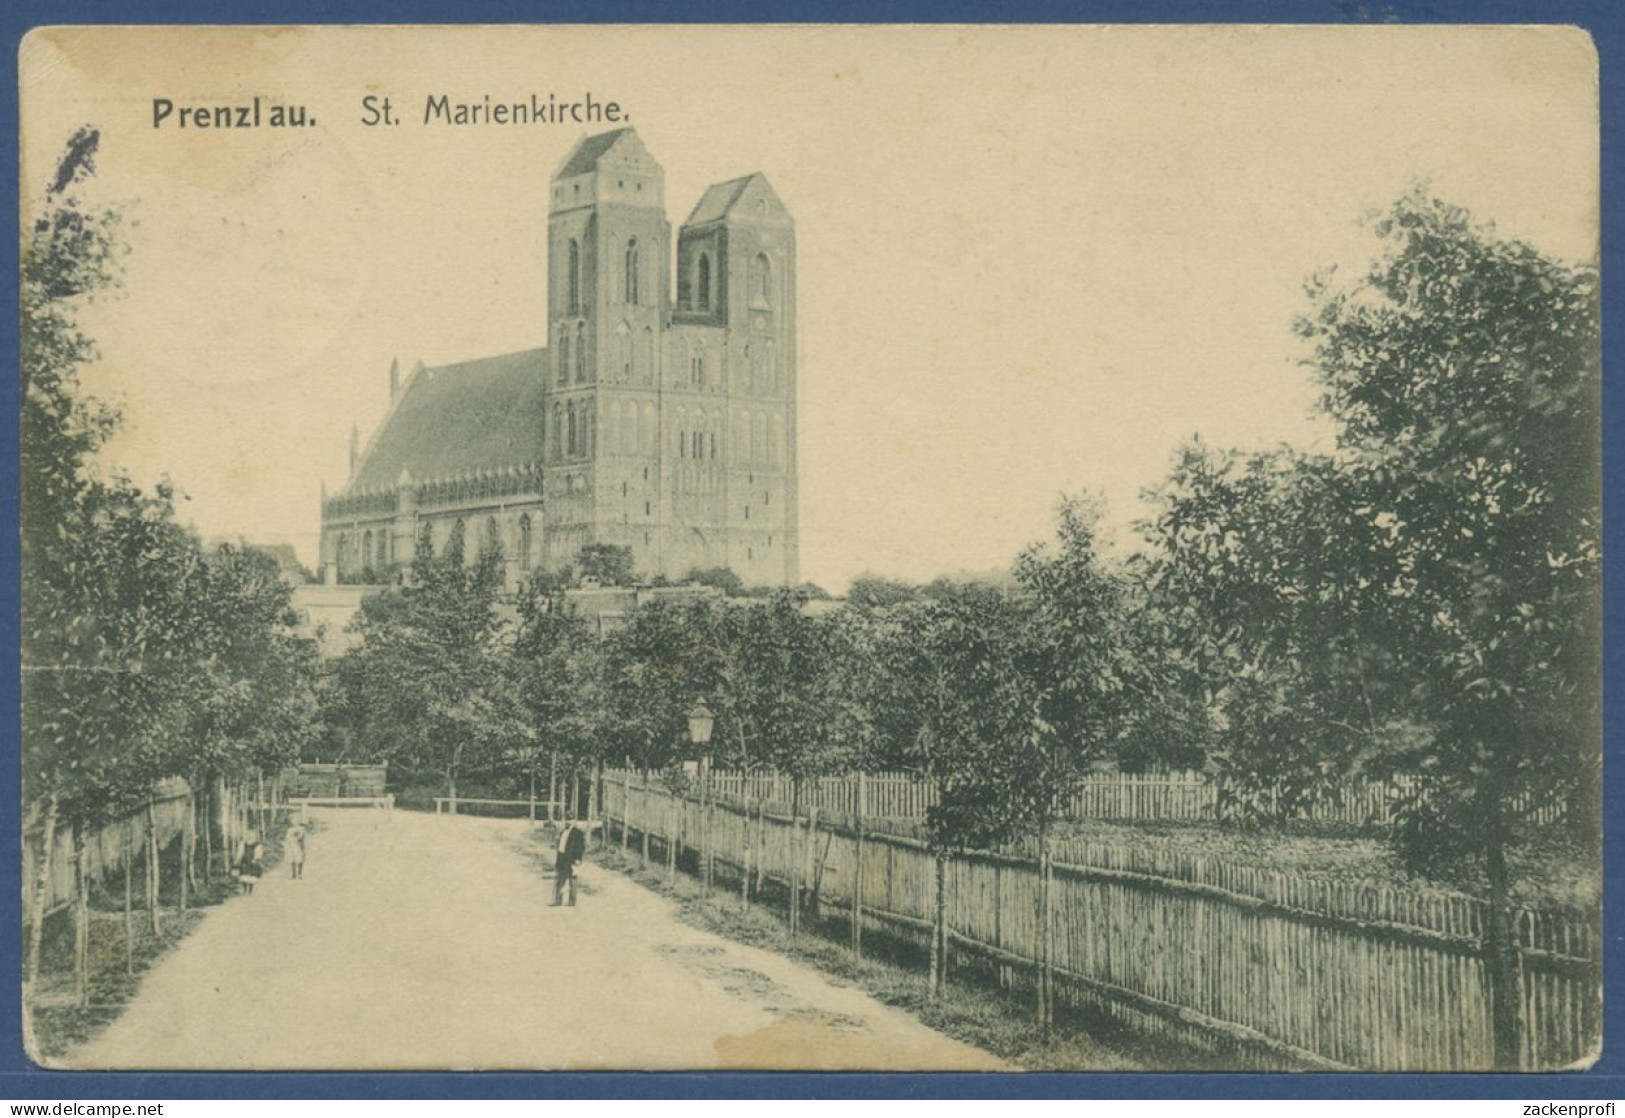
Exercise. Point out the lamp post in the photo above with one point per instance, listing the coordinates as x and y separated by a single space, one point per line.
700 723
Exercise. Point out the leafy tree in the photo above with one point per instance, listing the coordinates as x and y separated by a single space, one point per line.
560 679
723 578
429 686
772 689
655 668
871 591
610 564
1445 556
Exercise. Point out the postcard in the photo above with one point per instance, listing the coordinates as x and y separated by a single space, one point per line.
914 548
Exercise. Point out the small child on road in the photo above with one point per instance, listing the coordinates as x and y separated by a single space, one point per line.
295 844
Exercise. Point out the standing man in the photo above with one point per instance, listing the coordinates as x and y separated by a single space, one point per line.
572 848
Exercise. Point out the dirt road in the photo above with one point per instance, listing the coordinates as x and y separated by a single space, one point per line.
416 941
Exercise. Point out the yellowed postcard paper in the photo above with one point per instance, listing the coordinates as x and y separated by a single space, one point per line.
912 548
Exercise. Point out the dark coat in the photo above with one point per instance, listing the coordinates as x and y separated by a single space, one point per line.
575 844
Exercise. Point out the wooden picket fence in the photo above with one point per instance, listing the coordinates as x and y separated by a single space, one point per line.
1272 969
1187 795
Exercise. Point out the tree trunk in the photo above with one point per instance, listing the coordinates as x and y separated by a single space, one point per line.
1045 1013
707 840
129 900
208 836
671 838
42 895
857 869
626 805
1501 962
745 861
552 785
81 917
183 881
190 839
815 867
153 881
939 925
645 815
795 862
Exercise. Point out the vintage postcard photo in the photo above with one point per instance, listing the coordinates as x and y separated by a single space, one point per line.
914 548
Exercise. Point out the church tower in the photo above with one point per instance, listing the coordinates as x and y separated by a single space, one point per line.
608 263
655 419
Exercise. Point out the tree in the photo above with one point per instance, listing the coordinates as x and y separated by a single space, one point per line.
723 578
871 591
1464 373
610 564
1447 555
428 685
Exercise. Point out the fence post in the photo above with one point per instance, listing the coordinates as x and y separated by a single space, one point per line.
626 805
857 870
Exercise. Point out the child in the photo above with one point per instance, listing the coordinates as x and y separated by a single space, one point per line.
295 844
251 863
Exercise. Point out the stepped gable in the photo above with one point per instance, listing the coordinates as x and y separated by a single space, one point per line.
452 419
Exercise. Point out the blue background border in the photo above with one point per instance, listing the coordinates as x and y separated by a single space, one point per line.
1606 23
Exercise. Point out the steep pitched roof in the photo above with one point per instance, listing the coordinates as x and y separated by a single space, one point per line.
589 151
476 415
724 198
717 200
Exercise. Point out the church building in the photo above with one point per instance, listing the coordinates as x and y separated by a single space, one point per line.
662 420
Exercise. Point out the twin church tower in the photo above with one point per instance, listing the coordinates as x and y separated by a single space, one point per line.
661 420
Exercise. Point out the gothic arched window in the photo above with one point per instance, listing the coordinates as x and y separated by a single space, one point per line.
343 553
761 281
623 337
572 446
704 282
632 272
524 542
574 282
581 355
564 357
558 431
696 370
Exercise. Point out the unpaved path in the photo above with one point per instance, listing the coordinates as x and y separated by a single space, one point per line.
416 941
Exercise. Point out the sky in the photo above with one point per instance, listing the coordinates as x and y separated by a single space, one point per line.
1031 261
